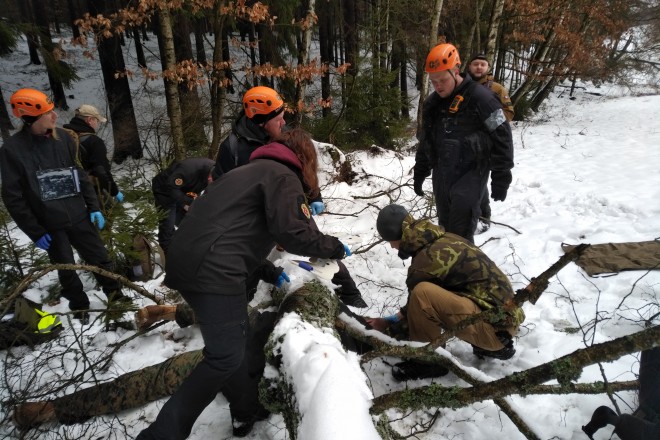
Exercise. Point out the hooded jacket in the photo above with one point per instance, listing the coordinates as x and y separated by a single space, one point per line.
174 183
93 154
502 93
234 225
457 265
235 150
22 155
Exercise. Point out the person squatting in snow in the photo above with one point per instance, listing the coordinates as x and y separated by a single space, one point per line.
449 279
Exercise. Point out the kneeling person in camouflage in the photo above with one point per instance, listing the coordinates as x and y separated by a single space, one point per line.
449 280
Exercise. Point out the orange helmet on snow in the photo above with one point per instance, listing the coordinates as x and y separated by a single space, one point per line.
30 102
442 57
262 103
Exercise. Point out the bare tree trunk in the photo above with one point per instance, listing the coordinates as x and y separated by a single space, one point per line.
139 51
5 121
120 102
74 14
325 14
218 90
171 89
25 7
493 27
308 29
433 39
43 22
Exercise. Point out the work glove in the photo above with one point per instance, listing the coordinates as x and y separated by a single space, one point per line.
418 183
44 242
499 182
347 251
119 197
317 207
498 193
97 218
281 279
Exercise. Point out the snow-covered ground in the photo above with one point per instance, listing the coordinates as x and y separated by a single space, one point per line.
586 171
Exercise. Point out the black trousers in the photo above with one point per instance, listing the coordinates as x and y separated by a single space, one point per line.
224 325
174 214
84 238
458 201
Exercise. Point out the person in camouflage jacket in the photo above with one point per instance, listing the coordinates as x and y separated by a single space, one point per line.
449 279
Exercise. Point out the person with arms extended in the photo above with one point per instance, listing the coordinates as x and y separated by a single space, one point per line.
93 154
228 232
463 137
51 199
449 279
175 188
262 119
478 68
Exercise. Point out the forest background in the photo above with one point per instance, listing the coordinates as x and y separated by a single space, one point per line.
345 67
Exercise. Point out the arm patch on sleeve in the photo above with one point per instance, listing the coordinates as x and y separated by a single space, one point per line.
303 210
495 119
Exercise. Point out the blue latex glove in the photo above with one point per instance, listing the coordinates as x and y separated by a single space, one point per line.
347 251
281 279
119 197
43 242
97 218
317 207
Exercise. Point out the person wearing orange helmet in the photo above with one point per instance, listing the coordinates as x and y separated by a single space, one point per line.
464 137
51 199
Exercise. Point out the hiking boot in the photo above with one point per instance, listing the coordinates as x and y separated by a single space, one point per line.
82 316
482 226
503 354
147 316
411 370
352 299
241 428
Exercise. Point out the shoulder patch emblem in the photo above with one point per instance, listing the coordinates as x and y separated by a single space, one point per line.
178 181
305 210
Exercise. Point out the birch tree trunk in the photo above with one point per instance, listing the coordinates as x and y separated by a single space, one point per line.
171 89
433 39
307 30
493 27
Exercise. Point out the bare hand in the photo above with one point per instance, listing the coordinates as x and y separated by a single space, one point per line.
378 323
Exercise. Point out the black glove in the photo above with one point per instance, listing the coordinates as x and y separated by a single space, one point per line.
500 181
418 187
498 193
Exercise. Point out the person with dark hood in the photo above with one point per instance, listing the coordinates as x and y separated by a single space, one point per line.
51 199
175 188
261 120
228 232
478 67
93 153
464 137
449 279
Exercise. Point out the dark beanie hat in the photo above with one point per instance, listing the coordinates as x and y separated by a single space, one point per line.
479 56
389 222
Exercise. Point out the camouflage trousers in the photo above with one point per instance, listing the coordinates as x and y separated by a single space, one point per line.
432 309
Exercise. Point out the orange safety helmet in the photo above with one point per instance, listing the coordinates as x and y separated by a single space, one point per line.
262 103
30 102
442 57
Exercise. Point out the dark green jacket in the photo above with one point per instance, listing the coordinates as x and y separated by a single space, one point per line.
457 265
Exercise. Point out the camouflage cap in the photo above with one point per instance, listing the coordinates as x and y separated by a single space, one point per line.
389 222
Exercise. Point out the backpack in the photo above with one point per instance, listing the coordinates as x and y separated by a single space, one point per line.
149 256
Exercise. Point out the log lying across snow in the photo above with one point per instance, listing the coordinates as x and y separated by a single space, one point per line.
303 347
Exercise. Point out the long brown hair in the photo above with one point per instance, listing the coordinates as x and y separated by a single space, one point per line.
300 142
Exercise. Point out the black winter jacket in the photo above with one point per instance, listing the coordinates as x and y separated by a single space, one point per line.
235 150
477 136
180 178
22 155
93 154
232 228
